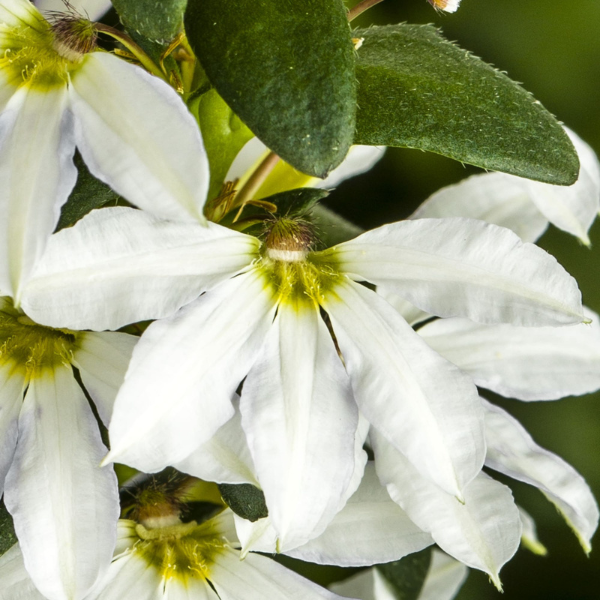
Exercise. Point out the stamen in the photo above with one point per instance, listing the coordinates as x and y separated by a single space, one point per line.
74 37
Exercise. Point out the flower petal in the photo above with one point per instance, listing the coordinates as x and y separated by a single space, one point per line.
483 533
224 458
545 363
19 13
463 267
370 529
359 160
409 312
184 373
119 265
65 508
300 419
496 198
37 174
444 578
16 583
529 537
257 578
512 451
136 134
363 586
191 589
12 385
435 420
92 9
102 360
571 208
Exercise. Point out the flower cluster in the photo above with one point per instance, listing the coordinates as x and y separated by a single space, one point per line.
259 390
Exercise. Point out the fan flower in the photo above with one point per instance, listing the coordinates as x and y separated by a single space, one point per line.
254 310
58 91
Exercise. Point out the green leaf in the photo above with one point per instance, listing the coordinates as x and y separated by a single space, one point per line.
223 133
245 500
8 537
156 20
88 193
286 68
407 576
418 90
332 228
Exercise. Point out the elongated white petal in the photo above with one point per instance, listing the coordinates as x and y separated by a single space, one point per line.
359 159
119 265
65 507
444 577
436 421
102 360
191 589
529 537
362 586
571 208
512 451
497 198
463 267
184 373
135 133
409 312
483 533
300 418
370 529
19 13
92 9
37 174
545 363
224 458
258 578
14 578
12 385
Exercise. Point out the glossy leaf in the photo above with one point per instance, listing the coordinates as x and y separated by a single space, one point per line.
287 69
407 576
418 90
245 500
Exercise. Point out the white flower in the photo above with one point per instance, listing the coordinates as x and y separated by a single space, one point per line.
260 319
444 579
92 9
56 93
445 5
522 205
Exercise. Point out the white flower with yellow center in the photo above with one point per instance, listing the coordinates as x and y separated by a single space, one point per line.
255 310
58 91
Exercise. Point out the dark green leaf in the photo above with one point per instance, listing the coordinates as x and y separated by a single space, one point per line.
418 90
156 20
88 193
286 68
223 133
296 202
245 500
7 530
407 576
332 228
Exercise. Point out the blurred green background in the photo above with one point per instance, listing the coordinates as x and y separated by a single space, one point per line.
553 48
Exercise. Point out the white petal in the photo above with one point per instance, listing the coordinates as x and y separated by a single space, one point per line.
102 360
571 208
258 578
359 159
370 529
424 405
184 373
120 265
362 585
493 197
224 458
529 537
542 363
19 13
463 267
300 418
12 385
15 580
247 158
512 451
37 174
191 589
483 533
65 507
444 578
135 133
409 312
92 9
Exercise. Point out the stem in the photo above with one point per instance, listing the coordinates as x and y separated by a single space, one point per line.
361 7
255 181
132 47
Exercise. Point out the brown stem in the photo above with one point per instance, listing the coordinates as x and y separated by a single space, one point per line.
361 7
